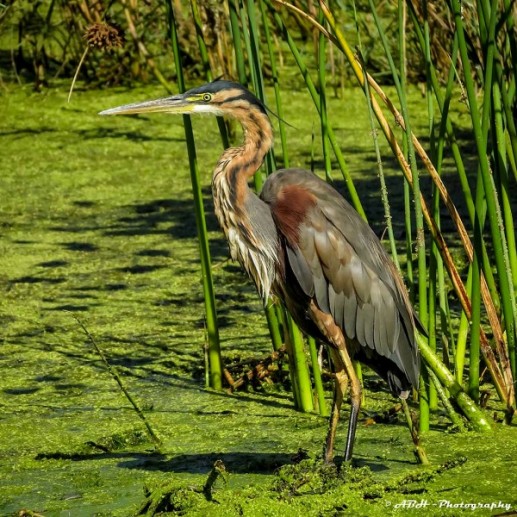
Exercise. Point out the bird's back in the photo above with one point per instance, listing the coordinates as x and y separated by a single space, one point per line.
334 259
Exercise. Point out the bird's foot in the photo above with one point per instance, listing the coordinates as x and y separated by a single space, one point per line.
328 454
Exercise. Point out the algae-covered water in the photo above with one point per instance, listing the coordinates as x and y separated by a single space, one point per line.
98 233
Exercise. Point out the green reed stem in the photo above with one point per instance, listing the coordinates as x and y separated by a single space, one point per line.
440 142
251 38
302 388
468 407
419 449
400 85
196 17
237 41
274 326
455 418
206 65
434 256
316 375
506 217
408 225
214 350
462 338
490 196
508 103
276 84
475 298
375 139
322 63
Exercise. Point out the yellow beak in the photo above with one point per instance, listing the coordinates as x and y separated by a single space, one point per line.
174 104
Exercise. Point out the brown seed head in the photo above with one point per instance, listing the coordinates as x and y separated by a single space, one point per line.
105 36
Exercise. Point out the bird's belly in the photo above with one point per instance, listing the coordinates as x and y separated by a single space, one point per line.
297 304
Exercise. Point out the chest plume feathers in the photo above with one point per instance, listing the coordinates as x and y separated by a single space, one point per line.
233 200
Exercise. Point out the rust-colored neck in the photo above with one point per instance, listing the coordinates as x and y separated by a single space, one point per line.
236 205
237 165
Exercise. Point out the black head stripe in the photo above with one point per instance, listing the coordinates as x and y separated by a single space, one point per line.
221 85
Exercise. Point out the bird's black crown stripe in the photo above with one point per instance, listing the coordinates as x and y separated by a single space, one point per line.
217 86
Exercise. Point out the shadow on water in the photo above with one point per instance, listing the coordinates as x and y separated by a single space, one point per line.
173 218
111 132
28 131
235 462
94 133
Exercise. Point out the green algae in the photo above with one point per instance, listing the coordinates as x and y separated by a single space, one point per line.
313 488
97 222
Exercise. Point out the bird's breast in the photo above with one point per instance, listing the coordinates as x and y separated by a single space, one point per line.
250 232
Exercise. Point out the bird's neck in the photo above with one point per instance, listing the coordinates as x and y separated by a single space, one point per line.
234 201
236 167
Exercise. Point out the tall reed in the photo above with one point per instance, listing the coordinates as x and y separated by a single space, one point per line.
485 295
213 347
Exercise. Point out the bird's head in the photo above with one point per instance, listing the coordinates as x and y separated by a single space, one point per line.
225 98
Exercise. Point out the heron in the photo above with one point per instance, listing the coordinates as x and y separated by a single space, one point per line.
302 242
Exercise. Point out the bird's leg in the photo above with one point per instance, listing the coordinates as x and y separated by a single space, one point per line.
339 391
355 399
344 368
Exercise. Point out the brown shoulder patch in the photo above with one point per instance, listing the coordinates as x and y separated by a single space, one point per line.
290 209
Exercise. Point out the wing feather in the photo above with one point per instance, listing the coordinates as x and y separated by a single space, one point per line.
334 309
301 270
368 321
350 316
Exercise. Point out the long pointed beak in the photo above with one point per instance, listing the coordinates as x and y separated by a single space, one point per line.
174 104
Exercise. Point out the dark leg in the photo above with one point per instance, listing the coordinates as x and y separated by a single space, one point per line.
339 392
355 399
344 369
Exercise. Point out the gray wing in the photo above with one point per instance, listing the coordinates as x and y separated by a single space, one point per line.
339 262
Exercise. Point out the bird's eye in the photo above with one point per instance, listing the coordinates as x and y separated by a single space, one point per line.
207 97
